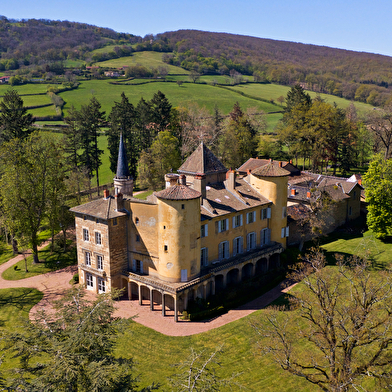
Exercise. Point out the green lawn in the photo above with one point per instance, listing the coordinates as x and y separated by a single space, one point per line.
35 88
48 262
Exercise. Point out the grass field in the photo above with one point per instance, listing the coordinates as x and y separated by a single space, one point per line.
147 59
35 88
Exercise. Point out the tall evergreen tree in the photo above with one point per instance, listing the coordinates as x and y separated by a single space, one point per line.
144 127
123 120
161 110
15 122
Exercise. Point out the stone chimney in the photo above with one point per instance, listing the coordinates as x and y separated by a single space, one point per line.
105 194
199 184
182 179
308 194
293 192
231 174
171 179
118 201
280 163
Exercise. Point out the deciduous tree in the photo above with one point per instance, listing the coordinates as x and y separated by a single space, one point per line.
345 322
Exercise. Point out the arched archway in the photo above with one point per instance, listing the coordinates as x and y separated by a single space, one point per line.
274 261
262 266
232 276
219 282
134 294
247 271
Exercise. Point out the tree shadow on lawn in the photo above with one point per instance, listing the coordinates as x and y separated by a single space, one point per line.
20 298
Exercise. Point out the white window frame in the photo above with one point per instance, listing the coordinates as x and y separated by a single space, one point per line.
98 238
86 235
251 241
224 250
251 217
223 225
238 245
87 258
203 257
205 233
89 280
100 262
101 285
237 221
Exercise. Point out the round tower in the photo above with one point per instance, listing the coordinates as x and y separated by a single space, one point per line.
178 233
123 182
271 181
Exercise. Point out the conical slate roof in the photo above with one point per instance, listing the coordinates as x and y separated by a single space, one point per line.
202 161
270 170
178 192
122 162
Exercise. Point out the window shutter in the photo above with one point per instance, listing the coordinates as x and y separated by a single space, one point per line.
227 224
283 232
141 267
247 242
269 212
234 222
133 265
268 240
247 218
217 227
287 231
254 216
206 230
241 223
227 250
234 246
205 256
220 251
241 244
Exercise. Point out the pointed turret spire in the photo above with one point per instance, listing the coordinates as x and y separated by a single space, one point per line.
122 161
123 182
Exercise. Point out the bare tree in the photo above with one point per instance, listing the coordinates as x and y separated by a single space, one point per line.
380 123
345 320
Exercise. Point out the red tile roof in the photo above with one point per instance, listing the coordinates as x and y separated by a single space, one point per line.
178 192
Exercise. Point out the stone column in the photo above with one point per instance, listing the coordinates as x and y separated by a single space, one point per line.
185 300
163 305
175 309
139 291
151 299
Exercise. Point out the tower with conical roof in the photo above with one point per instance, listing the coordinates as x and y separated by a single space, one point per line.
123 181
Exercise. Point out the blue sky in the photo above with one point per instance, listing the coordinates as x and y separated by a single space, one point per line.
361 25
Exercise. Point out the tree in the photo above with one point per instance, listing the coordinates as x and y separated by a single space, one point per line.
160 110
15 122
380 124
32 173
237 141
378 185
297 97
345 321
122 120
72 349
163 157
194 76
198 373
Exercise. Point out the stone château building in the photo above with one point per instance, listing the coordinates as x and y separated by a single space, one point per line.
208 228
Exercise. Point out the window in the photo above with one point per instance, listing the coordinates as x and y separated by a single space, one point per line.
224 250
237 221
251 217
204 231
137 238
223 225
284 212
183 206
266 213
251 241
115 222
98 238
349 211
99 262
137 266
355 195
101 285
285 232
85 235
265 237
136 221
165 248
237 245
89 280
87 258
204 257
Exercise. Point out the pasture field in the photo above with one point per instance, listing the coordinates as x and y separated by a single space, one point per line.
42 112
108 48
147 59
273 91
204 95
30 88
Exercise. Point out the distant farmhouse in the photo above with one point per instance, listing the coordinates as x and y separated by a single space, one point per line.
208 228
4 79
